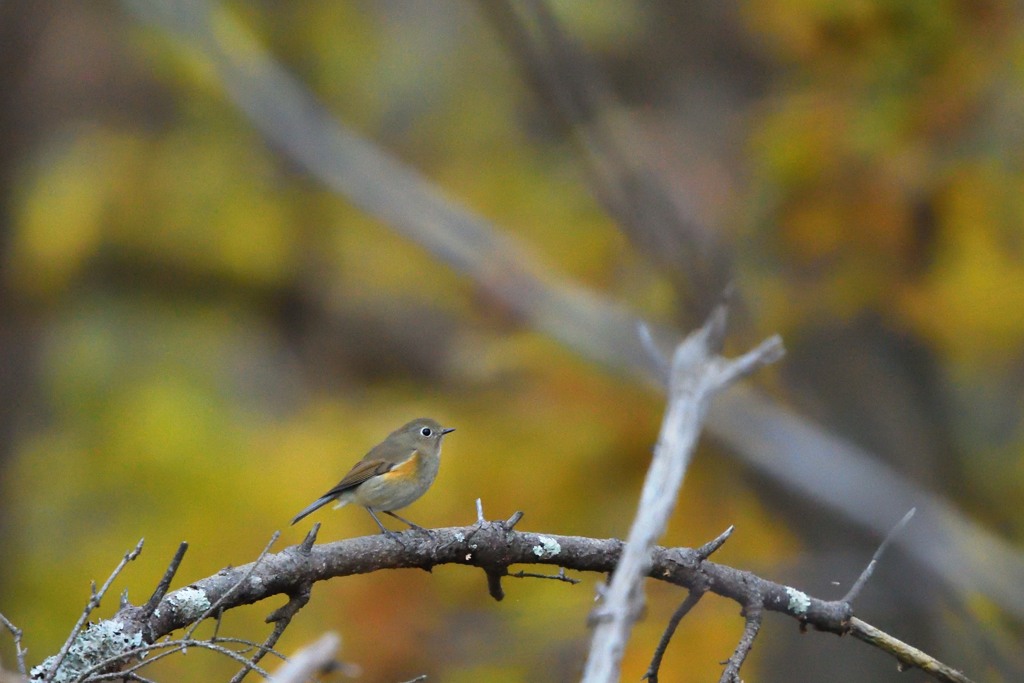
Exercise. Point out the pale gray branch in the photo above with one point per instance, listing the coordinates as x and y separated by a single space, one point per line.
697 374
310 660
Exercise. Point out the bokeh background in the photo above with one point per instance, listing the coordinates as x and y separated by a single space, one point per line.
197 338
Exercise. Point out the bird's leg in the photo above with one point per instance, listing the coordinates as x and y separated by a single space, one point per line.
383 529
417 527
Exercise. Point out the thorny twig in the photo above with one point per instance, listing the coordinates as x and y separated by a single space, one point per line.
858 585
172 646
16 633
282 618
908 656
659 652
242 579
694 596
697 374
165 581
731 674
94 602
560 576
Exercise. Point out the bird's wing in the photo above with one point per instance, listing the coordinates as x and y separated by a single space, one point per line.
360 472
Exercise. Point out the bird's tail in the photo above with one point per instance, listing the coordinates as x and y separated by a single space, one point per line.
312 507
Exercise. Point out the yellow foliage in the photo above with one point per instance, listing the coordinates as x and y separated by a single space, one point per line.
971 304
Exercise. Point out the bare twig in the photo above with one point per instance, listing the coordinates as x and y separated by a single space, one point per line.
858 585
170 647
281 618
662 367
706 550
94 602
165 582
242 579
698 590
16 633
137 677
310 539
692 598
697 374
731 674
560 576
261 651
907 655
251 645
494 588
511 522
174 646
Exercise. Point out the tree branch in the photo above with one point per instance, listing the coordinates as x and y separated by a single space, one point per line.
19 651
692 598
698 373
96 596
491 546
908 656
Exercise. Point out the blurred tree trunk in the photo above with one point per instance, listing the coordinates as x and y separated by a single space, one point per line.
22 24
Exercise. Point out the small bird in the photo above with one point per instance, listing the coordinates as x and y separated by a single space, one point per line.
392 475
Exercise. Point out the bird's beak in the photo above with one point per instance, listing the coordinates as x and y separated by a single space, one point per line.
447 430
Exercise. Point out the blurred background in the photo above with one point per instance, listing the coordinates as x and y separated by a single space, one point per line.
197 337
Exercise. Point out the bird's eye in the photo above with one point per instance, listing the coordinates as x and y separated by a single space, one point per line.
426 431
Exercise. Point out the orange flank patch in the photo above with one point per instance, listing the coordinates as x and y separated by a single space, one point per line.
405 469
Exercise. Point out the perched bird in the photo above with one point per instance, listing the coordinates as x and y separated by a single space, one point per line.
392 475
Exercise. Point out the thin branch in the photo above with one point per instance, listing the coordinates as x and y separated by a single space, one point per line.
147 611
165 581
251 645
858 585
281 618
692 598
697 375
261 651
94 602
697 591
712 546
494 588
168 647
310 539
661 365
731 674
137 677
560 576
765 353
511 522
176 645
242 579
16 633
907 655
